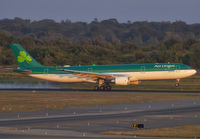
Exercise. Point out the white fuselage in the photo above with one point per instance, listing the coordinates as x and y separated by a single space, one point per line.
133 76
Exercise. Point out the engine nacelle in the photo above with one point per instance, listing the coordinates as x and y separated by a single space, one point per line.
122 81
135 82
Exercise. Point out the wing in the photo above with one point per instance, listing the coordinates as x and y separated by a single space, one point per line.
94 76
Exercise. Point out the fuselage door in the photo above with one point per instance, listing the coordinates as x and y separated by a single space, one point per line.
143 69
177 68
46 71
89 69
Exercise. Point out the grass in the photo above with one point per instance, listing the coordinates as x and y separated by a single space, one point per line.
33 101
189 131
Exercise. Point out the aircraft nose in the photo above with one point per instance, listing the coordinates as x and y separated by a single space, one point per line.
194 71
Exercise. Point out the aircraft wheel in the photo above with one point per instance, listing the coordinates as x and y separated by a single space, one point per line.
96 88
102 88
108 87
177 84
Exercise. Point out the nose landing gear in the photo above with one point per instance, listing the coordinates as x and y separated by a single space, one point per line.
177 82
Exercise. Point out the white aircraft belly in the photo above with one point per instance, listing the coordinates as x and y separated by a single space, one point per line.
67 78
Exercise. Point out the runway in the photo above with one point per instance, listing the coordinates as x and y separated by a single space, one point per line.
91 90
87 122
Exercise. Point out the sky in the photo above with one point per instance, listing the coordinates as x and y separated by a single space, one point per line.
87 10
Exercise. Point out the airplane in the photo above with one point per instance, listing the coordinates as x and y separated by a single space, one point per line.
103 75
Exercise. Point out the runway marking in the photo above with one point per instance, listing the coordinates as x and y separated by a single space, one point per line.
65 116
165 116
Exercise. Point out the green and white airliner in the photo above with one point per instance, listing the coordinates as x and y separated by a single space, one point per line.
102 75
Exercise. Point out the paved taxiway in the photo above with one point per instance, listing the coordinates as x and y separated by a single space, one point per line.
87 122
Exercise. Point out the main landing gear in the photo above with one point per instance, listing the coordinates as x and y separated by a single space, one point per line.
177 82
102 86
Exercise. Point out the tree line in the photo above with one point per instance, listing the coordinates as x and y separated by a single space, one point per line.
104 42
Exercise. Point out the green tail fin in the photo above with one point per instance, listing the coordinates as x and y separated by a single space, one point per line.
24 59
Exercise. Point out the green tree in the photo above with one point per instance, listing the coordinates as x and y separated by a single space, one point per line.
195 58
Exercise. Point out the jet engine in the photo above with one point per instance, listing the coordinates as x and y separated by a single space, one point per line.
122 80
135 82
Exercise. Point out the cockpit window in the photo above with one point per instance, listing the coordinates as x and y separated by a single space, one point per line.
188 67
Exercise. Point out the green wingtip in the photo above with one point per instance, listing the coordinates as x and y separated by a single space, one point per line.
56 67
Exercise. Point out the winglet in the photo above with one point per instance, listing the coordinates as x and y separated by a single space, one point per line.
56 67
